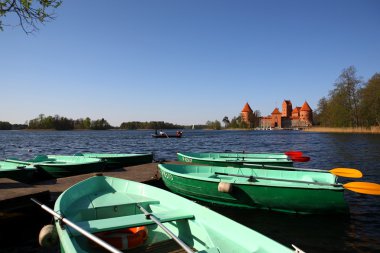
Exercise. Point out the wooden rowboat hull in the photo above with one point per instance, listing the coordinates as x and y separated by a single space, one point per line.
16 171
166 136
203 183
235 159
56 166
120 160
101 204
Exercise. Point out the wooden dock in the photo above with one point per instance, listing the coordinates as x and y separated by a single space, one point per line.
15 196
18 212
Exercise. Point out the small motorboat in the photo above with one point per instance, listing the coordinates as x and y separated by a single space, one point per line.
165 135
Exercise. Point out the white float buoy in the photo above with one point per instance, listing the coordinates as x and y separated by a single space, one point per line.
48 236
225 187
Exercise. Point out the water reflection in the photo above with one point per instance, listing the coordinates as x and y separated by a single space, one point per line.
360 232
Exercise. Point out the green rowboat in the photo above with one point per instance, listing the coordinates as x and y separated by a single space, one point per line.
57 166
235 159
17 171
106 206
302 192
120 160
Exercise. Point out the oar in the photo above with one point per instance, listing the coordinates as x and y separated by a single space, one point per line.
254 158
359 187
363 187
341 172
14 160
291 153
77 228
170 233
276 179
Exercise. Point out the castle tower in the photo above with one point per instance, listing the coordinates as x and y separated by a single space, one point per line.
306 114
245 113
296 113
276 118
286 109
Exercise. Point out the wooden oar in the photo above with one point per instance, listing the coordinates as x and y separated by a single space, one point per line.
254 158
14 160
341 172
288 153
359 187
363 187
90 236
276 179
170 233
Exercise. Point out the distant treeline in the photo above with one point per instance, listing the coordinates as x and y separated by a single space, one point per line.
352 103
8 126
133 125
62 123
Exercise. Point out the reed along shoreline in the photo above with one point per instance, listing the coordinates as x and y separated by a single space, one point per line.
351 130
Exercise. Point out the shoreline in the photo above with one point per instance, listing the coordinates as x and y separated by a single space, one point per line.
350 130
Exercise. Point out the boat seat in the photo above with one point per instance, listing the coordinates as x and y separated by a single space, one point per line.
93 226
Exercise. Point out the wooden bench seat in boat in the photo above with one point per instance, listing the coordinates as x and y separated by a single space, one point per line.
92 208
136 220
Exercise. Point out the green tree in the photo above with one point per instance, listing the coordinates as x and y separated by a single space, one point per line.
216 125
4 125
341 108
226 121
370 102
346 93
100 124
29 13
236 122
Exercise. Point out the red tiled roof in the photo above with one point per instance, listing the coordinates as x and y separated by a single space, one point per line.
247 108
296 110
306 107
276 111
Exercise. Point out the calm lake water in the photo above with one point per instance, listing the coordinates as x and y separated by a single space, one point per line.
358 232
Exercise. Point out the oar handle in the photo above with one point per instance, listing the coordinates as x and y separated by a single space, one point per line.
90 236
278 179
170 233
282 167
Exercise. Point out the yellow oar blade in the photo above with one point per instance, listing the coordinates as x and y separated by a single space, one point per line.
346 172
363 187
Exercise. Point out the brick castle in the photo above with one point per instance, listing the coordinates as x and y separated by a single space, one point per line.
288 118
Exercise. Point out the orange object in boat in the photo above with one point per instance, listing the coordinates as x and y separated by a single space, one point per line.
126 238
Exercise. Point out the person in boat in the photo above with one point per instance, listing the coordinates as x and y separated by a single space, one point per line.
178 133
161 132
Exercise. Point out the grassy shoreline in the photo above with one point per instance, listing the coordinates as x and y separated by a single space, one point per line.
355 130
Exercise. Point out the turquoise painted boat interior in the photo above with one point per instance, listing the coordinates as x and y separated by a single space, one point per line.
105 204
10 166
106 155
208 173
238 155
234 157
63 159
17 171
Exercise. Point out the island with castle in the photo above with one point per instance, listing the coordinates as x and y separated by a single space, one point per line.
288 118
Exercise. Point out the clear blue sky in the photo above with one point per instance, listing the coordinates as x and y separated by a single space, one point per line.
184 62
